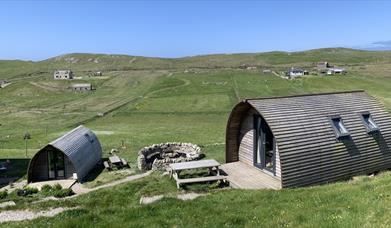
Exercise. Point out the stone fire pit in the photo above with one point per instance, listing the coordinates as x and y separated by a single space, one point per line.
158 156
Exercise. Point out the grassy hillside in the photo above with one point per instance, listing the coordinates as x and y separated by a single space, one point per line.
153 100
80 62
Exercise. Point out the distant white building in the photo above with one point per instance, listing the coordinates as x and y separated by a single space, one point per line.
336 70
98 73
3 83
63 74
295 72
81 87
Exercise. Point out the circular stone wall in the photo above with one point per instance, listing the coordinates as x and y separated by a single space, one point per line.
158 156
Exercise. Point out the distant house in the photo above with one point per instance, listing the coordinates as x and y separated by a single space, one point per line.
73 155
98 73
95 73
336 70
322 65
295 72
63 74
81 87
2 83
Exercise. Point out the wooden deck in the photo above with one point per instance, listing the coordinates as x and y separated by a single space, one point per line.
243 176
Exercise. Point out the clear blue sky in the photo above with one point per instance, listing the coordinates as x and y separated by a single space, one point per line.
41 29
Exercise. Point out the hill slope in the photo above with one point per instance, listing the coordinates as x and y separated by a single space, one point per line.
102 62
153 100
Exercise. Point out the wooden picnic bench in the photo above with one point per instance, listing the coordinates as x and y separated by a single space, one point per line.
115 162
210 164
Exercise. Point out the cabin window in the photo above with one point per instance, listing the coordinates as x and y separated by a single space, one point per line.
369 123
339 127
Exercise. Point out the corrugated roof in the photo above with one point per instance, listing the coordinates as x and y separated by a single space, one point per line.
82 147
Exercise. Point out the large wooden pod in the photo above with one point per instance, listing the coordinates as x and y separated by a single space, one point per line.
311 139
73 155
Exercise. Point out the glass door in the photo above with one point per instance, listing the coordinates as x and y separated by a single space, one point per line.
264 156
56 164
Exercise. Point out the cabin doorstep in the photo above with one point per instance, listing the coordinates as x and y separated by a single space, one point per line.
71 156
310 139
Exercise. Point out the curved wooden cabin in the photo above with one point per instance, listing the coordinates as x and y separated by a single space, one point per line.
73 155
311 139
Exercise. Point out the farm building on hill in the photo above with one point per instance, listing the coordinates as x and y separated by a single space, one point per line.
2 83
322 65
309 139
336 70
63 74
295 72
81 87
73 155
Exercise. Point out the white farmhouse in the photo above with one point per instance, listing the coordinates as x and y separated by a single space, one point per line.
63 74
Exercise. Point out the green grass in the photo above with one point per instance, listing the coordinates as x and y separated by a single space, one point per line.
170 105
361 203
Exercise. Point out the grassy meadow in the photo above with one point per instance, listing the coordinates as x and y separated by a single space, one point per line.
152 100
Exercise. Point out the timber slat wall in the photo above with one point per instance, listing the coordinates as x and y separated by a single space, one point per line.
309 151
246 138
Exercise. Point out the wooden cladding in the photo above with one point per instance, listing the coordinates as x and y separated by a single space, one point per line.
308 150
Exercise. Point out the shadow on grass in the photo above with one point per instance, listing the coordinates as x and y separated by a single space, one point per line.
16 169
98 169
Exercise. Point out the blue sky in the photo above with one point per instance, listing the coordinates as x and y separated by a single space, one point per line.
37 30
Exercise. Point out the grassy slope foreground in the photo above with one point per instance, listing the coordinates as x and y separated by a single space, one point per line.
362 203
157 100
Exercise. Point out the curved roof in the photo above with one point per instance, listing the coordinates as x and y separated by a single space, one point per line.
81 146
309 150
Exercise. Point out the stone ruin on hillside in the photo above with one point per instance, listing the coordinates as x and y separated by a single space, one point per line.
158 156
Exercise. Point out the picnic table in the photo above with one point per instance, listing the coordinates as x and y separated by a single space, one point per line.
115 162
210 164
114 159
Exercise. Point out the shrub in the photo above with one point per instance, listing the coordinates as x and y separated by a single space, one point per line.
63 193
46 188
56 191
26 191
57 187
3 194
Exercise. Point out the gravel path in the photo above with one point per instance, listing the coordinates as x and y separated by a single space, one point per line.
184 197
79 189
20 215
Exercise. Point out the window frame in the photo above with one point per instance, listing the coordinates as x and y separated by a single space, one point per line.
337 132
367 127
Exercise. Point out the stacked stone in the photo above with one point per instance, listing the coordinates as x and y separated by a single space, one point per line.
158 156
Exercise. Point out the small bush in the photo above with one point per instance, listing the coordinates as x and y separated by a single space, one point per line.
46 188
63 193
26 191
56 191
57 187
3 194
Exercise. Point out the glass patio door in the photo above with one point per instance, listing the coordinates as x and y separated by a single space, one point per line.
264 156
56 164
